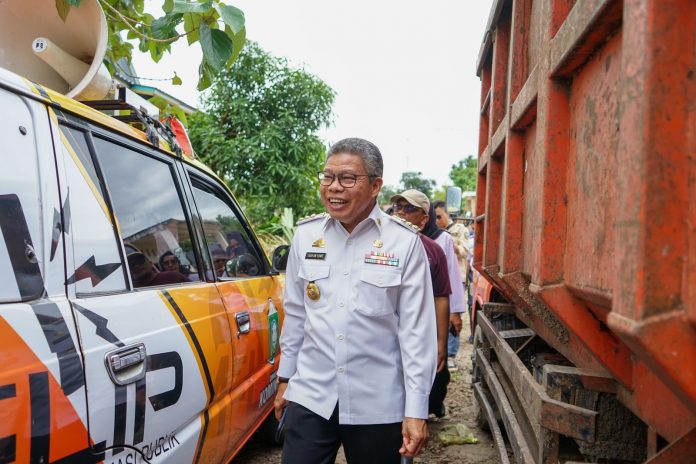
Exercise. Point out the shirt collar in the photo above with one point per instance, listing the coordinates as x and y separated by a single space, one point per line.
377 216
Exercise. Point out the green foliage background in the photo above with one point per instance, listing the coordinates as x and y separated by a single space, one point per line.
258 131
465 173
217 27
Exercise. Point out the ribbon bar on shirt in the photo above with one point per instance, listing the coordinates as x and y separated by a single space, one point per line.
382 258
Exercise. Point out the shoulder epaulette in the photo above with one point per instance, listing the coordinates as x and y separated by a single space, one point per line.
404 223
311 218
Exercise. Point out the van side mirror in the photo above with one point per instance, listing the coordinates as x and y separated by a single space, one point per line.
279 260
453 201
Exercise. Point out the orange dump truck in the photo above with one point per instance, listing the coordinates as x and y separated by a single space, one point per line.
586 229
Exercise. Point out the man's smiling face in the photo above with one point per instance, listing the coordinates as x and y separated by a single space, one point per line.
349 205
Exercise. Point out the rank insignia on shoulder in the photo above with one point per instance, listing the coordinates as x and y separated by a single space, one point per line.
311 218
406 224
319 243
382 258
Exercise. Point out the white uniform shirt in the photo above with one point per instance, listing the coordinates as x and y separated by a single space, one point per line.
369 341
457 298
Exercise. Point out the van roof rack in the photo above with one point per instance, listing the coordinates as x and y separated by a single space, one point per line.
129 107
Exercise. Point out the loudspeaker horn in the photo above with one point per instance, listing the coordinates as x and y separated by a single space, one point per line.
64 56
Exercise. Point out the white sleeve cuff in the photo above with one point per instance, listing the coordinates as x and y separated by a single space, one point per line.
287 366
416 405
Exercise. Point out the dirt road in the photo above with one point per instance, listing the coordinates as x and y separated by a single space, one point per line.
461 408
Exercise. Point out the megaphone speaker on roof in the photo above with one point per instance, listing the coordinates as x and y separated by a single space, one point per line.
64 56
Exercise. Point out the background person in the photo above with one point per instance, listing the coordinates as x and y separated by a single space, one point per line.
145 274
359 342
413 208
460 237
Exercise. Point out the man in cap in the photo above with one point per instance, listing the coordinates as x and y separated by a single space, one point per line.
414 206
411 205
359 338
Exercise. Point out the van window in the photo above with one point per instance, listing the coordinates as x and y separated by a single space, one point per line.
230 247
148 207
96 258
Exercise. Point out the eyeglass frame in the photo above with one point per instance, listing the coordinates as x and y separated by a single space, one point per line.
408 208
323 175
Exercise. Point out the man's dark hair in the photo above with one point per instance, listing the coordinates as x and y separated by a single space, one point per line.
368 151
439 204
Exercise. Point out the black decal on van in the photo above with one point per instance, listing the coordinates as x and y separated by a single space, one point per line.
160 361
139 424
196 344
8 445
57 229
101 325
120 412
95 272
61 343
8 448
40 417
25 266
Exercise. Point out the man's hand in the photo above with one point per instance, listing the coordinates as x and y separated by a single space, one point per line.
415 433
456 321
280 403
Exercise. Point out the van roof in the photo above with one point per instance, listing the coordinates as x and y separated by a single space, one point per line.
19 85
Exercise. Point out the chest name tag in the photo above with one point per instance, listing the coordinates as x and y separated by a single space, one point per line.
382 258
313 255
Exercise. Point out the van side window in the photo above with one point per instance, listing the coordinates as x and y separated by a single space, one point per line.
230 247
148 207
96 258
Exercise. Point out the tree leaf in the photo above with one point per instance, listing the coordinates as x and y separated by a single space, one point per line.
165 27
182 6
238 41
63 7
217 47
191 24
176 80
168 6
231 16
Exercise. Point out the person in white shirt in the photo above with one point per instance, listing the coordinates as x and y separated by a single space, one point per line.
359 342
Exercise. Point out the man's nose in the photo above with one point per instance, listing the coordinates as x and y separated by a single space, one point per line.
335 185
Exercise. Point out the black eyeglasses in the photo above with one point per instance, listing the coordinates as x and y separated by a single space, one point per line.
345 180
408 209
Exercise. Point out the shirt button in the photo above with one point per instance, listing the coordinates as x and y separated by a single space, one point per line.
340 337
340 305
346 272
340 370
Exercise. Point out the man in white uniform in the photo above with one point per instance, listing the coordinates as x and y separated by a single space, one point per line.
359 343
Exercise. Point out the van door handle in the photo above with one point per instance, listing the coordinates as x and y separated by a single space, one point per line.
243 323
126 365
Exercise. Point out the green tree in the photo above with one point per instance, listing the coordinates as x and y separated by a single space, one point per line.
217 27
386 193
259 133
415 180
465 173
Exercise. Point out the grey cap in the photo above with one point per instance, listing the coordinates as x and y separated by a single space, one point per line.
414 197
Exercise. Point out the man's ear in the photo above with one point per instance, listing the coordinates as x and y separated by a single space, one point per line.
377 186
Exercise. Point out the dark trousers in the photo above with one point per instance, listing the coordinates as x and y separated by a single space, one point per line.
438 392
311 439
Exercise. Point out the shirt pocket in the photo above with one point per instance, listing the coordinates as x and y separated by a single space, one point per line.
378 290
318 274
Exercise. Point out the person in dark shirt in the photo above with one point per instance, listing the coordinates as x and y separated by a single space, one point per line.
406 206
145 274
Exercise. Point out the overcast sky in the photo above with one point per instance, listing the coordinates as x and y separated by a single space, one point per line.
404 71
